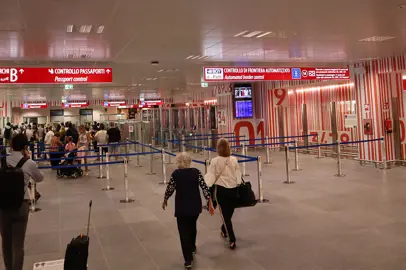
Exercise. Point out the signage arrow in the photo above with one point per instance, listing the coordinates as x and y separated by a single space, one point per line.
108 71
21 71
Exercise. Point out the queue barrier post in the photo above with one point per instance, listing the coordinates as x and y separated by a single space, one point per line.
319 147
154 144
108 187
268 158
182 143
288 179
127 199
243 150
260 186
32 192
151 163
101 161
296 158
384 159
163 168
206 165
127 149
339 170
195 150
137 146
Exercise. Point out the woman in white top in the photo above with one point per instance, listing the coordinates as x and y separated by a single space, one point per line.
101 138
224 173
83 145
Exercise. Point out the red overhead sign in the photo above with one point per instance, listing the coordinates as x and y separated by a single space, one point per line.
75 104
114 103
34 105
212 74
35 75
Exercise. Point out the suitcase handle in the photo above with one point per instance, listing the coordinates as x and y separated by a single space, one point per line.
88 220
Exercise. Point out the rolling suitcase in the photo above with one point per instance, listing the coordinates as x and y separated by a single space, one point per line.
77 251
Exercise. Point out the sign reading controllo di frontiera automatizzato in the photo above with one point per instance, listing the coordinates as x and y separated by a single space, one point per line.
273 74
47 75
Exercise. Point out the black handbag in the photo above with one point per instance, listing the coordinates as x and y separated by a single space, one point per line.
245 195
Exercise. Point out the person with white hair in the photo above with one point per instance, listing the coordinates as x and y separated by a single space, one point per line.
188 203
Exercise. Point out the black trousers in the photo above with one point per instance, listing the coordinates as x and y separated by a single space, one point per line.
13 225
187 233
226 198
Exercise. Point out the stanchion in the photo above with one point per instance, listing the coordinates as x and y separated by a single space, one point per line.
154 144
31 193
137 146
108 187
260 187
339 172
209 154
206 166
268 158
243 149
163 168
318 147
195 150
101 161
288 180
296 158
170 156
182 144
127 149
151 163
384 160
127 199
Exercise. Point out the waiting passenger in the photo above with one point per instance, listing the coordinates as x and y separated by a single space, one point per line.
55 149
13 223
114 138
70 146
188 203
101 139
224 173
83 145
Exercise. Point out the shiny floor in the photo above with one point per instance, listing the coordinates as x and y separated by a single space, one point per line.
320 222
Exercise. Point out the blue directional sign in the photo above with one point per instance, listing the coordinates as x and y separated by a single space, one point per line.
296 73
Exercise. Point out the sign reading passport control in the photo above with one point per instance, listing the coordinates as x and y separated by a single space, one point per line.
273 74
34 75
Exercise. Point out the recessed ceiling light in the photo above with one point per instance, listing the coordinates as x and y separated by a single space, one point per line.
85 28
264 34
376 39
241 33
190 56
69 28
254 33
195 57
100 29
155 62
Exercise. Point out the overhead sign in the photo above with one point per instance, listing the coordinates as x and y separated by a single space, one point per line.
114 103
129 106
151 103
274 74
75 104
34 105
35 75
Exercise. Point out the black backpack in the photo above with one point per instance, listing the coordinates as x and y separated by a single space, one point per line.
12 184
7 133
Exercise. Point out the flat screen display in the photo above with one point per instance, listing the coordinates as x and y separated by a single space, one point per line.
243 109
242 92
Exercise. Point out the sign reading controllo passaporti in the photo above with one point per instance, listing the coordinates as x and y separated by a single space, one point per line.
273 74
51 75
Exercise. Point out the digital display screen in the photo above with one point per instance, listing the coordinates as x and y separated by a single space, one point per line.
242 92
243 109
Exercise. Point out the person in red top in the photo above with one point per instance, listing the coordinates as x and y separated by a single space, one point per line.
54 149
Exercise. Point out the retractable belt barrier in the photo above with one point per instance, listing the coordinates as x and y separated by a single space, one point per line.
339 164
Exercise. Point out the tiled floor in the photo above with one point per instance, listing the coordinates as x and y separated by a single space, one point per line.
321 222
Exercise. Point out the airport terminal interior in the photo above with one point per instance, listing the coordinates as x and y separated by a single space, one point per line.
309 96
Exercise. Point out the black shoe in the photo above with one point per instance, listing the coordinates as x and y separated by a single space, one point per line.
233 245
223 235
194 251
188 265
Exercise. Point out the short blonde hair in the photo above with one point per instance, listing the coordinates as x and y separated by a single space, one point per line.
223 148
183 160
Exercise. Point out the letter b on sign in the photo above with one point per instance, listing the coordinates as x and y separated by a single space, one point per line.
13 75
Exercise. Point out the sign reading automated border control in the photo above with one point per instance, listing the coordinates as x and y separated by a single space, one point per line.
35 75
212 74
